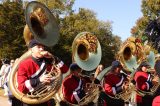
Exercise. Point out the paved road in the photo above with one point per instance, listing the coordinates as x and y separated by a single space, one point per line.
4 101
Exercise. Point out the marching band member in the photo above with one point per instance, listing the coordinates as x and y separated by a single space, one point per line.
144 81
73 86
30 71
114 83
156 101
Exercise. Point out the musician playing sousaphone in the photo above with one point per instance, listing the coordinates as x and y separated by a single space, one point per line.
33 70
74 86
37 74
114 83
144 81
77 88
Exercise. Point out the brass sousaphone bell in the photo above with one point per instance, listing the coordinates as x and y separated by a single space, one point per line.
86 51
42 26
42 23
130 55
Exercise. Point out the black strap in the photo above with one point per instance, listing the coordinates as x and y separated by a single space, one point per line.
42 71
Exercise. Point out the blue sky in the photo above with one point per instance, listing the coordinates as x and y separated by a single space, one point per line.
123 13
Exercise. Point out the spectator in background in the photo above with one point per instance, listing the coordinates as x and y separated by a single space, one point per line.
5 63
6 85
6 76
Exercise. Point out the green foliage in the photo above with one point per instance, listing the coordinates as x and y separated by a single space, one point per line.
12 23
11 30
85 21
58 6
150 10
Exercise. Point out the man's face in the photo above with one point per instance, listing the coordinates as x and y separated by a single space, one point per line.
36 51
11 62
118 69
77 72
144 68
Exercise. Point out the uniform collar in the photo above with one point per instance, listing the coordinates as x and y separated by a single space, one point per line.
38 61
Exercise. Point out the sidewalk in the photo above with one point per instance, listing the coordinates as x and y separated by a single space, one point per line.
4 101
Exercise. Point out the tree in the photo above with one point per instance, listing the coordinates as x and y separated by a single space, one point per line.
147 27
138 30
59 7
150 10
12 23
85 20
11 30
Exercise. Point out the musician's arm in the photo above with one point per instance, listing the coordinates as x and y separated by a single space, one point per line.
110 88
67 91
143 84
50 59
98 70
58 62
26 84
21 78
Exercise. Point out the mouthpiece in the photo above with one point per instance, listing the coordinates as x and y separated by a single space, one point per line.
44 53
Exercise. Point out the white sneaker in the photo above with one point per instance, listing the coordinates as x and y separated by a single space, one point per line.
9 102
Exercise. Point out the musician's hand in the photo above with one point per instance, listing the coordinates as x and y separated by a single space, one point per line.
98 70
87 87
45 79
46 54
152 71
128 77
125 85
155 80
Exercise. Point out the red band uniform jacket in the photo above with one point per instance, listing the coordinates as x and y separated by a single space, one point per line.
73 88
27 75
113 83
143 83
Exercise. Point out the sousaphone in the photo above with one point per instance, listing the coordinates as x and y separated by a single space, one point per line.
42 26
130 55
154 61
86 51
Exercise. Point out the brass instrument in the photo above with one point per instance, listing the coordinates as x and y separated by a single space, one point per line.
130 55
92 94
42 25
87 54
154 61
91 90
126 93
86 51
133 53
